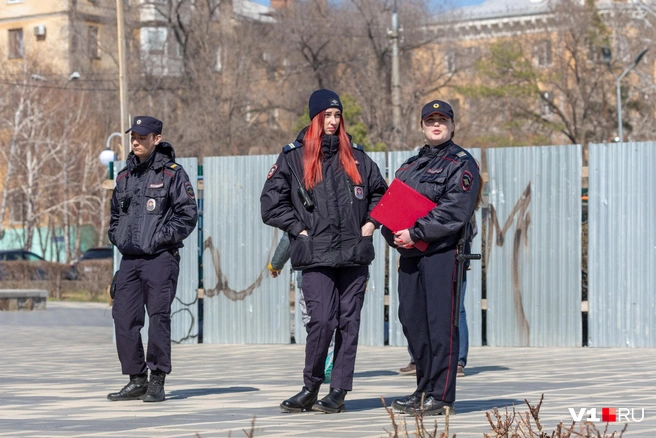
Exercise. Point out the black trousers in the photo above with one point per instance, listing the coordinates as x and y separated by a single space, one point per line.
427 310
334 298
149 281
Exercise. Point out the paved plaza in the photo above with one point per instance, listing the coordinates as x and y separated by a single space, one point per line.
57 366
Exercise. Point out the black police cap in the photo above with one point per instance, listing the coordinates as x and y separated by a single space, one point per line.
144 125
437 106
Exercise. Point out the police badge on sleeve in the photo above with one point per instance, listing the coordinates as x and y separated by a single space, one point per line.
467 179
272 171
189 189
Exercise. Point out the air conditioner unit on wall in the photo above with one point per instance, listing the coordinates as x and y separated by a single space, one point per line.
40 30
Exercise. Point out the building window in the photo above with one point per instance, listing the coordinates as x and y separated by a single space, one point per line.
542 53
470 56
16 208
474 109
16 49
94 49
153 40
450 61
177 47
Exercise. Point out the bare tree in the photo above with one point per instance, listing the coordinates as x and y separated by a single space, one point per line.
50 177
347 48
551 86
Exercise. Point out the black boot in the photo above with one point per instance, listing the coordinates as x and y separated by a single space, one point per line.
401 404
155 391
134 390
302 401
332 403
431 406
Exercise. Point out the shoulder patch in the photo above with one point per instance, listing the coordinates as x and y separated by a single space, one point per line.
189 189
272 171
357 146
466 182
173 166
461 154
292 146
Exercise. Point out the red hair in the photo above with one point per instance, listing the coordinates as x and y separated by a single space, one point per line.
312 170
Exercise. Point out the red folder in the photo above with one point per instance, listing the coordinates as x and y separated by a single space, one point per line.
400 207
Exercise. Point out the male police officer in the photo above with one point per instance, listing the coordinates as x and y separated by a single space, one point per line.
153 210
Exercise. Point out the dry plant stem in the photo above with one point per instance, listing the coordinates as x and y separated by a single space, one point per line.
520 429
560 429
535 411
250 433
517 425
390 412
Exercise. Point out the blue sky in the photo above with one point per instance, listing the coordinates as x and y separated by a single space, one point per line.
456 2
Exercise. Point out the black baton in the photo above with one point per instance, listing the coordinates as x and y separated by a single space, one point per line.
461 258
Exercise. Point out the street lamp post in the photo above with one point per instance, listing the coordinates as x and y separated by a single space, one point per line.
607 58
122 74
107 156
396 81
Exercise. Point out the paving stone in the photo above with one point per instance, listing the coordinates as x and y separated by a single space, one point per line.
56 370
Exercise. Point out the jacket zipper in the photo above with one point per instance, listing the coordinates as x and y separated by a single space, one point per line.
350 189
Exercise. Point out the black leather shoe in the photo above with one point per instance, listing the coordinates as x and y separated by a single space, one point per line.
332 403
402 403
155 391
431 406
134 390
302 401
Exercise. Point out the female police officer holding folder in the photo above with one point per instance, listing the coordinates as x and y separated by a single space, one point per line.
448 175
321 191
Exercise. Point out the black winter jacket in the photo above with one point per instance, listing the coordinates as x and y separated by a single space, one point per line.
334 226
153 206
448 175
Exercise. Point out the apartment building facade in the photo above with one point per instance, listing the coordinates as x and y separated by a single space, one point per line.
80 35
559 44
67 36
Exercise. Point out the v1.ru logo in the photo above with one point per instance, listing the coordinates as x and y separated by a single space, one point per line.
608 415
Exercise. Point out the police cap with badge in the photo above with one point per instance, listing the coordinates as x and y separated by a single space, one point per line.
144 125
437 107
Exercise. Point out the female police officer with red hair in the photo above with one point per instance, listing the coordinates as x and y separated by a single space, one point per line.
448 175
321 191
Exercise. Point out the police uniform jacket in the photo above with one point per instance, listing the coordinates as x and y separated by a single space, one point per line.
448 175
341 208
153 206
